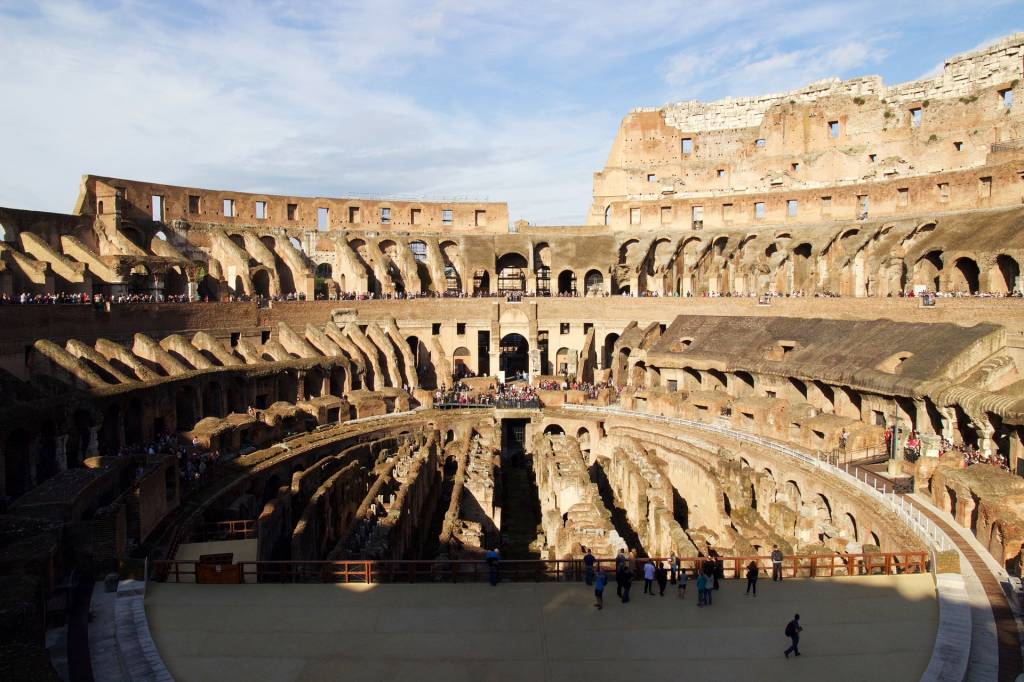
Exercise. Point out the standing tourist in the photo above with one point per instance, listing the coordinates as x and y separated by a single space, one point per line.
683 579
588 566
649 577
661 576
776 563
702 583
626 582
752 577
673 565
493 558
602 580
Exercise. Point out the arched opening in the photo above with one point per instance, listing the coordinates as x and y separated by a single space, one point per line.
608 214
965 276
567 283
515 355
511 270
607 349
849 527
562 361
324 278
791 492
461 360
554 430
927 270
638 375
619 371
175 282
593 283
1008 272
313 383
261 283
213 400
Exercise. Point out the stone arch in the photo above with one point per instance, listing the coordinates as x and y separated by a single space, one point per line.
1006 273
261 283
593 283
791 491
928 269
848 525
965 275
461 359
628 250
583 438
619 371
554 430
608 214
561 361
567 283
515 355
608 350
511 269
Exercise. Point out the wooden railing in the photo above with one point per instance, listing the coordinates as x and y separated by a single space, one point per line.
561 570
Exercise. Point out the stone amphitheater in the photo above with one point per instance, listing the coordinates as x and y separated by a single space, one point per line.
790 321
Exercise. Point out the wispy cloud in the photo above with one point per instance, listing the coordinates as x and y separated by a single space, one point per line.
490 99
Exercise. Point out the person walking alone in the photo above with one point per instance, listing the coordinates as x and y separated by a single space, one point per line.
649 577
752 577
702 583
493 559
793 630
776 563
681 584
673 567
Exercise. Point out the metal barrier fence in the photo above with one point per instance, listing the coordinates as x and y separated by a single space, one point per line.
561 570
215 531
921 525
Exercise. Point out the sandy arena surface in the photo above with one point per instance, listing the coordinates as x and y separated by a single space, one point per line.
864 628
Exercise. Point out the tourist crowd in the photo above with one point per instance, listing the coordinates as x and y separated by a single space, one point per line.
85 299
501 395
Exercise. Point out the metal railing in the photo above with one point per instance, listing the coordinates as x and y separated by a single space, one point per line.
219 531
922 526
553 570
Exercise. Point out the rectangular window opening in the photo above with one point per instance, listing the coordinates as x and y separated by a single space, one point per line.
634 216
193 203
666 215
791 207
721 172
480 218
985 188
758 210
293 212
760 143
943 192
958 146
563 328
229 208
1006 97
158 207
697 217
261 210
415 216
726 213
826 206
353 215
435 328
587 326
323 216
903 197
833 129
446 216
651 177
915 117
460 328
385 216
795 166
235 336
687 145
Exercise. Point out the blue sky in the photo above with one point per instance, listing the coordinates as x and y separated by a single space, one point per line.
514 101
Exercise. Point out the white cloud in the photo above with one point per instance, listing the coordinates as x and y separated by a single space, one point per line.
513 102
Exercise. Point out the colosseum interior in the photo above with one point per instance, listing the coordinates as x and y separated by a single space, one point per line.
793 320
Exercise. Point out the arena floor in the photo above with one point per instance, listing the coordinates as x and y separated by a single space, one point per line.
865 628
